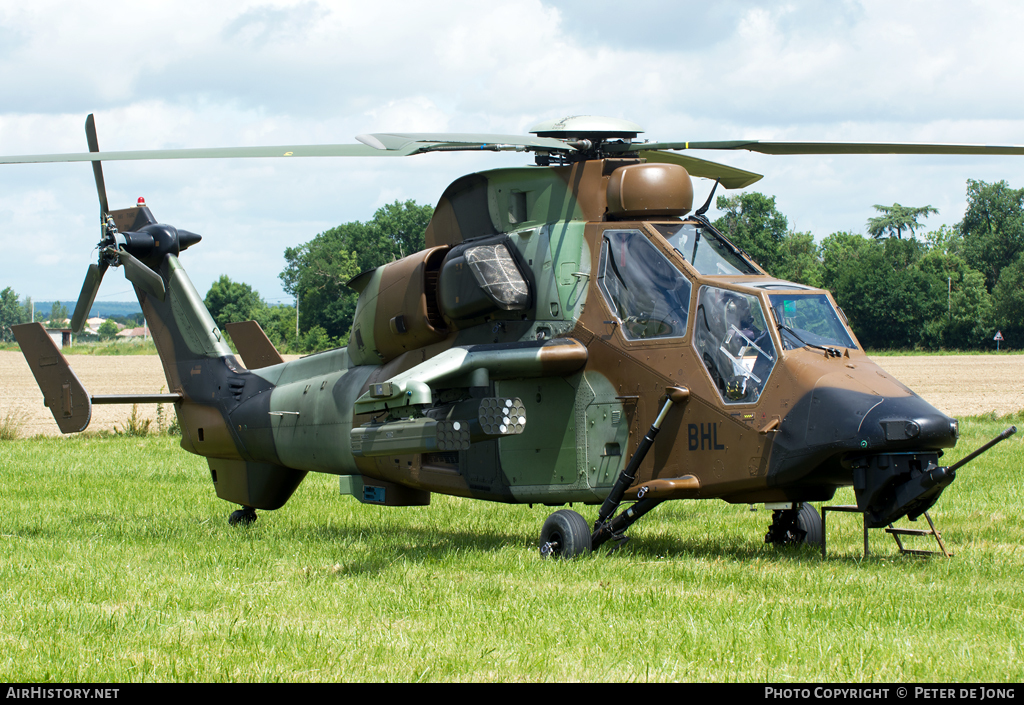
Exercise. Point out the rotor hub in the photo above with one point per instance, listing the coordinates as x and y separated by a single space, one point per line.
586 134
587 127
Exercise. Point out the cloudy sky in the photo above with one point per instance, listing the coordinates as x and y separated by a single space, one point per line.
205 74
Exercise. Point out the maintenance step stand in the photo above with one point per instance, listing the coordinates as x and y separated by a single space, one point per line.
892 530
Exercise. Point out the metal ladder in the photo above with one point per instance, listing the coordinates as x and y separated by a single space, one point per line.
891 530
896 533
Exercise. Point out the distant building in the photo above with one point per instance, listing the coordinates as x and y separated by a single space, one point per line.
133 333
92 325
60 336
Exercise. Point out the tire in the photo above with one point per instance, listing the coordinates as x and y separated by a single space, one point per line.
565 535
809 522
791 527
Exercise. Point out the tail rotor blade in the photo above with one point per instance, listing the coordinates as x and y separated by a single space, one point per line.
90 286
97 168
142 276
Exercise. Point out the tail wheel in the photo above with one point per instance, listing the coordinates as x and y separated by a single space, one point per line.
794 526
565 535
244 516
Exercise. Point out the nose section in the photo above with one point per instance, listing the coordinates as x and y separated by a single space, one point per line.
855 421
892 455
882 445
907 423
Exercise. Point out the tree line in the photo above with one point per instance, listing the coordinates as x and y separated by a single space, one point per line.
15 310
316 274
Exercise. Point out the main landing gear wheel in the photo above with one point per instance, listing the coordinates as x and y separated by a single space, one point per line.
795 526
565 535
243 516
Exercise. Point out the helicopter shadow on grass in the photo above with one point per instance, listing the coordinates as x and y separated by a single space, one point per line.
368 549
365 548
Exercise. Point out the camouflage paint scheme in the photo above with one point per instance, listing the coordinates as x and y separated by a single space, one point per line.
429 349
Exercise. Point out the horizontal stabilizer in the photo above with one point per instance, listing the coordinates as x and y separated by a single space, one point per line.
63 393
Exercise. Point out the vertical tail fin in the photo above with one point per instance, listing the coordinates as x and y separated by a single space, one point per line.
253 345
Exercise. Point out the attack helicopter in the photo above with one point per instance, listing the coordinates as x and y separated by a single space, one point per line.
573 332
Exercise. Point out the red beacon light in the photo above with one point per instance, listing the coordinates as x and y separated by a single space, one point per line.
141 203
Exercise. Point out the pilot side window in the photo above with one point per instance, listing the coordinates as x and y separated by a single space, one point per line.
649 296
732 337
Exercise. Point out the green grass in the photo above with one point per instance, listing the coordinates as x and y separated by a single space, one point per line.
110 347
117 564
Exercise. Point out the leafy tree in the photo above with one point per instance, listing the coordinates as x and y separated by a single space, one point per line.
58 314
992 228
395 231
230 302
107 329
318 271
753 223
278 322
839 252
946 240
968 315
27 309
883 292
11 313
1008 304
316 339
316 274
896 218
799 261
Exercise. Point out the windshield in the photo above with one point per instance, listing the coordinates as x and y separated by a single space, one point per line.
810 319
704 249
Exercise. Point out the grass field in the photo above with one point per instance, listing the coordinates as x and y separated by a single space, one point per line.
118 564
110 347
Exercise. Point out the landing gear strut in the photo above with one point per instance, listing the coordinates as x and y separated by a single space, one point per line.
243 516
565 533
605 527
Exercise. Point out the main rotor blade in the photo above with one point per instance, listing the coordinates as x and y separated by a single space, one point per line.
97 167
90 287
729 176
142 276
468 140
795 148
377 145
321 150
409 147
